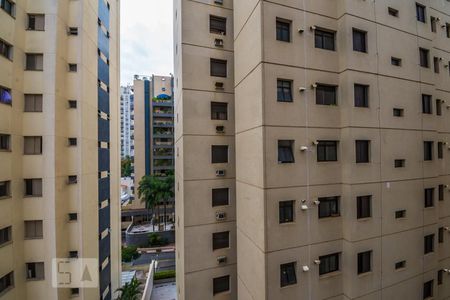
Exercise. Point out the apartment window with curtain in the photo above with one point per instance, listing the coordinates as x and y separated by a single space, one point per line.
283 30
33 103
428 150
441 235
219 111
284 90
325 39
5 142
429 243
327 151
220 197
362 151
429 197
359 40
35 271
217 25
441 192
6 282
218 67
399 163
427 107
9 7
440 149
287 274
438 107
395 61
221 284
34 230
34 62
329 207
420 12
433 24
329 263
285 151
33 187
6 49
361 95
364 207
5 95
436 65
5 235
5 189
424 55
36 22
221 240
219 154
32 145
286 211
428 289
364 262
326 94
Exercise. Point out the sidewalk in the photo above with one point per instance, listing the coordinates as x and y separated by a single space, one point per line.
164 291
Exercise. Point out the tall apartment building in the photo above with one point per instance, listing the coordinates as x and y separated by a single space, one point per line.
59 144
340 149
126 121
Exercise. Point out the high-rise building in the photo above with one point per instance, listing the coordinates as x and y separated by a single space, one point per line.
339 139
59 145
126 121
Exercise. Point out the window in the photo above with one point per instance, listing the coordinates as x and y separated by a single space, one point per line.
284 90
400 264
398 112
283 31
74 291
428 289
287 274
219 111
429 197
218 67
329 207
32 145
399 163
424 54
33 103
429 243
440 277
72 103
5 235
285 151
33 230
447 29
221 240
362 151
35 271
8 6
73 68
5 189
439 107
324 39
73 254
361 95
33 187
393 12
286 211
329 263
6 282
217 25
36 22
73 216
440 150
326 94
441 235
428 150
220 197
219 154
72 179
5 95
436 65
6 49
441 192
327 151
364 207
221 284
5 142
426 104
72 141
34 62
433 24
420 12
400 214
396 61
72 31
364 262
359 40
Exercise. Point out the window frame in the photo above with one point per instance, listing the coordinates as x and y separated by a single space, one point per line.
220 240
216 154
6 283
428 149
218 68
332 208
333 266
37 145
322 38
5 235
428 197
4 90
360 147
38 101
30 184
288 274
5 186
424 57
363 260
6 49
427 104
323 92
5 142
286 211
35 264
364 101
327 151
428 288
214 21
34 27
219 111
34 62
428 243
226 286
36 227
287 147
359 36
217 197
364 207
283 32
421 13
284 90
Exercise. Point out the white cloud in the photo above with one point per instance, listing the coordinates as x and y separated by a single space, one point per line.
146 38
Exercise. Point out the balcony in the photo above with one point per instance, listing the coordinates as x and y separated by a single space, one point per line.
162 115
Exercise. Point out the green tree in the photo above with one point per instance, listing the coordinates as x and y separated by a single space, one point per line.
130 291
126 166
129 253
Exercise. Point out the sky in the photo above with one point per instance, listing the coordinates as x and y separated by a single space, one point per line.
145 38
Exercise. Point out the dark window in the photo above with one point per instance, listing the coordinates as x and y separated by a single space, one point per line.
447 29
5 95
72 103
399 163
426 104
326 94
429 197
221 284
329 263
393 12
440 150
73 67
428 150
438 107
73 216
6 49
441 235
221 240
73 254
5 235
35 271
441 192
364 206
284 90
433 24
218 67
33 103
72 141
364 262
400 264
72 179
440 277
219 111
74 291
33 187
396 61
33 230
287 274
359 40
220 197
399 214
436 65
327 151
36 22
283 31
217 25
286 211
219 154
8 6
34 62
424 57
398 112
362 151
329 207
32 145
428 243
420 12
5 189
285 151
324 39
6 282
428 289
5 142
72 31
361 95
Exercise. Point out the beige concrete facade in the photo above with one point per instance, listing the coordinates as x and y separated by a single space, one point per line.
69 35
396 120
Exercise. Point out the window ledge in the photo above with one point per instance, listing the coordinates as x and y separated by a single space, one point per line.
366 219
330 275
6 290
365 274
287 223
289 286
33 238
5 197
35 70
32 196
400 270
5 150
222 293
35 279
6 244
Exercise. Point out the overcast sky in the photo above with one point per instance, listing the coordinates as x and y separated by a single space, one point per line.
146 38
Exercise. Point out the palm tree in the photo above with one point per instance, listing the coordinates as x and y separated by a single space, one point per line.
130 291
147 194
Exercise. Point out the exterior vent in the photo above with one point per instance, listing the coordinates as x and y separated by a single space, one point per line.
220 2
221 216
222 260
220 173
220 129
219 85
72 179
218 42
72 31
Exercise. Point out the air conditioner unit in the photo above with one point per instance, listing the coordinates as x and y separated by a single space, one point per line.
302 89
219 85
222 259
315 143
317 261
304 207
220 173
301 30
305 268
312 28
220 129
221 216
218 42
303 148
447 228
445 270
316 202
314 85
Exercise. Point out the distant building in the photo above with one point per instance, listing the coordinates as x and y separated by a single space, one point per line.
126 121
